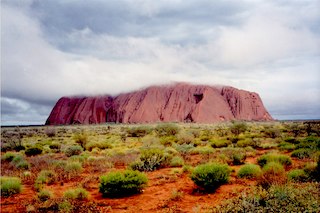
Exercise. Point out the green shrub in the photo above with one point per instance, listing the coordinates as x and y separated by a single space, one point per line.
219 143
310 143
272 132
150 140
310 170
46 176
301 197
122 183
238 127
73 150
177 161
211 175
81 139
44 195
185 137
23 165
150 159
246 142
73 167
302 153
249 171
272 173
18 158
204 150
184 148
8 156
317 171
101 145
139 131
234 156
286 146
50 132
298 175
267 158
32 151
77 158
65 206
167 129
291 140
10 186
78 194
55 147
168 140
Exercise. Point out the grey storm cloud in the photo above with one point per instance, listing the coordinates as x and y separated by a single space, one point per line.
60 48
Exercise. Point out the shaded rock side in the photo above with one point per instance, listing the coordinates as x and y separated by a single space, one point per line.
175 103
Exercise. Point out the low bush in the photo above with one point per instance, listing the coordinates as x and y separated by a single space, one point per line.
65 206
101 145
267 158
317 170
272 173
150 159
50 132
204 150
24 165
234 156
8 156
55 147
310 142
211 175
168 140
291 140
238 127
219 143
150 141
301 197
32 151
302 153
76 194
73 150
185 137
10 186
246 142
286 146
298 175
184 148
177 161
81 139
167 129
272 132
249 171
44 177
139 131
18 158
73 168
122 183
44 195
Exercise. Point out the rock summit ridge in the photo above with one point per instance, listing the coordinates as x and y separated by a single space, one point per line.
179 102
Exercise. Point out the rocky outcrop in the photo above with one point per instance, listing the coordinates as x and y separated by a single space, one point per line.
173 103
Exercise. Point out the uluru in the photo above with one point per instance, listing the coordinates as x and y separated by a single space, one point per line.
180 102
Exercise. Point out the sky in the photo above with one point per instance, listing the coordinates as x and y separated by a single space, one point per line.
55 48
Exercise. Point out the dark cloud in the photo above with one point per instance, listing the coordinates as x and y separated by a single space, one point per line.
170 21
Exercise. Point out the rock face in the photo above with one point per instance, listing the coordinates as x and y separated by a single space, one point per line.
173 103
